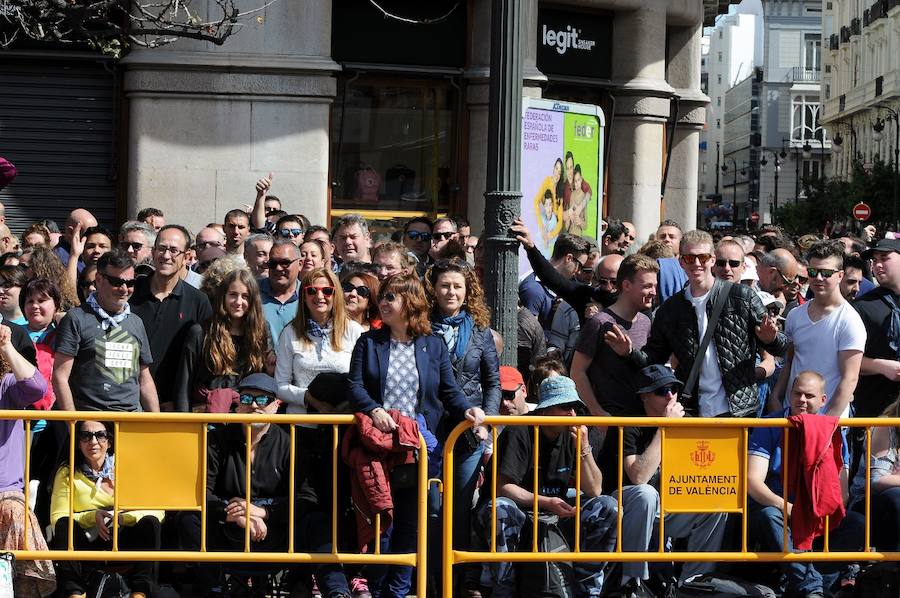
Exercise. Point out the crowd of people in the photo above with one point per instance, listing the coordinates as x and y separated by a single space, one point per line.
269 313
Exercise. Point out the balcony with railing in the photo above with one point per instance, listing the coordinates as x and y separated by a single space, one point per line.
855 26
834 42
800 74
845 35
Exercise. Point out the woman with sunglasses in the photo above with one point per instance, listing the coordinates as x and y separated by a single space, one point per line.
217 354
312 256
21 385
418 380
93 492
87 282
360 290
461 319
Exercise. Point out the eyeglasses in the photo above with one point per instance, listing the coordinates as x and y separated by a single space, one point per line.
312 291
261 400
174 251
205 244
362 290
586 270
606 282
733 263
664 391
130 246
117 282
87 436
281 263
692 258
825 272
442 236
390 297
418 236
290 233
784 278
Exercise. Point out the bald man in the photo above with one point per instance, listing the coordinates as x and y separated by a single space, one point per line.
76 217
8 241
2 213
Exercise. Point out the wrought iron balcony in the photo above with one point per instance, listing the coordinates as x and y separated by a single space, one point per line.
799 74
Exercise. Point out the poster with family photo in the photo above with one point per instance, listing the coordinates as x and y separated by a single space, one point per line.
562 171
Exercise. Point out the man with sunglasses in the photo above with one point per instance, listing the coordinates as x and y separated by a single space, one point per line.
726 384
289 227
417 238
641 457
270 497
826 334
168 307
777 271
280 291
102 351
136 239
729 263
443 232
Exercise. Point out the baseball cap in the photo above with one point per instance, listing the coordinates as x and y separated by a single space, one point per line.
556 391
749 270
510 378
769 299
883 245
263 382
656 376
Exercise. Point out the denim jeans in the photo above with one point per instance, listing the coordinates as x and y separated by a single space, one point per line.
598 534
767 526
395 581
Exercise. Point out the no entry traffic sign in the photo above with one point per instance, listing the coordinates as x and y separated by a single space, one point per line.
862 211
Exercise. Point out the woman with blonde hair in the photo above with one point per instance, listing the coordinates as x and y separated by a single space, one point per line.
233 344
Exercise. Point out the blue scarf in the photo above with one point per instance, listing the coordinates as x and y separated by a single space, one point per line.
105 473
313 329
107 321
456 331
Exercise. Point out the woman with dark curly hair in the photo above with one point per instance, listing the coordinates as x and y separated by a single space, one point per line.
403 368
45 264
360 290
461 319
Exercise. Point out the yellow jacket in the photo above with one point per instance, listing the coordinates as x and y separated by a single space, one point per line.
87 500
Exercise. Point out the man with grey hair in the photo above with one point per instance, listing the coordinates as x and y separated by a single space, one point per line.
351 239
280 292
442 232
777 270
256 254
137 240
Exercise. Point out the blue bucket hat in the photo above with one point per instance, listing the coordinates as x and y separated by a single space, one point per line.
263 382
556 391
656 376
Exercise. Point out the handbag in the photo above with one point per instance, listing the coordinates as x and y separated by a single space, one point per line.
724 291
107 585
367 183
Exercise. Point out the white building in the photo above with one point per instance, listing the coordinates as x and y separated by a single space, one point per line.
862 81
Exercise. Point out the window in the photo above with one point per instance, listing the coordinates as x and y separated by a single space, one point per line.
719 79
718 123
720 57
718 100
812 52
805 118
720 34
811 169
393 144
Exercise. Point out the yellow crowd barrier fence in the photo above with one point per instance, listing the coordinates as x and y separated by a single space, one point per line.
703 470
160 464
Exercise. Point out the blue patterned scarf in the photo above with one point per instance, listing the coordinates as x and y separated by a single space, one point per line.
313 329
455 330
107 321
105 473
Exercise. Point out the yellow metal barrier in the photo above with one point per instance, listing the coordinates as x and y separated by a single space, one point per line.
727 495
147 478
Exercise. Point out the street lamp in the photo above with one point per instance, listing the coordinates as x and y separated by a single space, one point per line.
777 160
877 134
733 190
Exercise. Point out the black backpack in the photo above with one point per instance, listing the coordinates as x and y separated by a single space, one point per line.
881 580
719 585
545 580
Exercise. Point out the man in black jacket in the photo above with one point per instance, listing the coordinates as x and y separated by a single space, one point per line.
226 494
726 385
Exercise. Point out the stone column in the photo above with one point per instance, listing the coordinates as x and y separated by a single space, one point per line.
641 110
206 121
680 201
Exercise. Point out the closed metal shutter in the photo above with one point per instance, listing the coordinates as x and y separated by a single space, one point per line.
58 125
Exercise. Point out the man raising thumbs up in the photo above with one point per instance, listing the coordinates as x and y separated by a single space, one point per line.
264 205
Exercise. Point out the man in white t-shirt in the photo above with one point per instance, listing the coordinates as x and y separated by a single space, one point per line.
826 334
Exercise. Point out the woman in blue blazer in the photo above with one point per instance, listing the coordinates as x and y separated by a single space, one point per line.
401 366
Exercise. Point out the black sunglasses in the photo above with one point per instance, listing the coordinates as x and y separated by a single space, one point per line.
117 282
733 263
390 296
664 391
825 272
126 245
362 290
442 236
87 436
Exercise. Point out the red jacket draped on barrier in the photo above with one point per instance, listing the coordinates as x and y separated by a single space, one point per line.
814 468
372 454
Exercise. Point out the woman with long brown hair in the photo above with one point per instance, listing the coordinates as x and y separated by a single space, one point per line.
234 343
461 319
419 384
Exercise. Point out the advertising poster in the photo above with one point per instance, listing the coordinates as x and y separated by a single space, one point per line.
562 171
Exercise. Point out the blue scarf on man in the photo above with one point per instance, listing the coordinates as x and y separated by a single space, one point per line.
455 330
